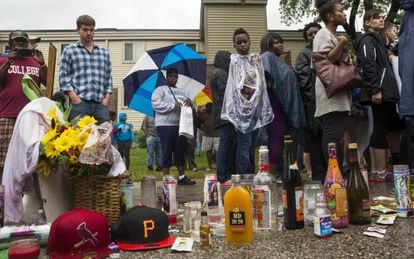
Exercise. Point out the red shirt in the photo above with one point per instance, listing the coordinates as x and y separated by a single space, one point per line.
12 98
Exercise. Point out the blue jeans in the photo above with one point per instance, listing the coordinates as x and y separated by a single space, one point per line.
97 110
225 153
245 152
153 150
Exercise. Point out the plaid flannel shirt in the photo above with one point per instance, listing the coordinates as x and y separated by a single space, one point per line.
87 74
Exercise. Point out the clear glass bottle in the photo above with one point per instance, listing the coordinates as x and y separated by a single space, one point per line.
187 218
322 224
310 191
205 234
264 200
197 219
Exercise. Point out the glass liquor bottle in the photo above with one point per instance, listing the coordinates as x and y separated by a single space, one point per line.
238 214
335 191
359 206
205 234
292 189
264 198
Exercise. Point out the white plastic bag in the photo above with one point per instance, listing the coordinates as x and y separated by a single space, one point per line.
186 127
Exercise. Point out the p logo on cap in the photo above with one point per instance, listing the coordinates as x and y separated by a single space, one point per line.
78 233
142 228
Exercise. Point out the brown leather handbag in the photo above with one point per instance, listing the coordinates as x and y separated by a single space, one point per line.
336 77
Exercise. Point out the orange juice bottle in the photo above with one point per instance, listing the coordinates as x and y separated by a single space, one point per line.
238 214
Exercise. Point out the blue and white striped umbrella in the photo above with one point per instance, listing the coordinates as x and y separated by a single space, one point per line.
150 72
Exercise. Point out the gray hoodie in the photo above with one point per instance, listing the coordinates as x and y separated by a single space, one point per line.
163 103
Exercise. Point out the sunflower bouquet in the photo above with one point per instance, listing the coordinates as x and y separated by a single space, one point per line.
63 143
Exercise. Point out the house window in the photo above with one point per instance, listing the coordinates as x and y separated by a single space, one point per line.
129 52
132 51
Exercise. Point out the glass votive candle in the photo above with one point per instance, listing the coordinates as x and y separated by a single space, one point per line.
24 249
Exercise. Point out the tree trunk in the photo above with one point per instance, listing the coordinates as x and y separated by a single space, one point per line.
352 17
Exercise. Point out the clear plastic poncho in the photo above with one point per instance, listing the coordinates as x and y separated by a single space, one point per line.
246 102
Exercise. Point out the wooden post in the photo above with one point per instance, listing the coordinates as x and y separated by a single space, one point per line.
50 70
149 191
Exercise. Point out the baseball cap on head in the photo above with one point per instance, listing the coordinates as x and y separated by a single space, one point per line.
79 233
142 228
18 34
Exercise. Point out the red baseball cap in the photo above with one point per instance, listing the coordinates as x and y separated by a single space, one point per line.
78 233
142 228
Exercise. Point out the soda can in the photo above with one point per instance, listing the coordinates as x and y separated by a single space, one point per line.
402 186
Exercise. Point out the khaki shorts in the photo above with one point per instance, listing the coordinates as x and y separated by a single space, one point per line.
210 143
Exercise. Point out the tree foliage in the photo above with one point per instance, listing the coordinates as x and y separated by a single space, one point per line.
293 11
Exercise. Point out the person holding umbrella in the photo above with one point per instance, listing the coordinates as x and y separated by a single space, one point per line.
167 101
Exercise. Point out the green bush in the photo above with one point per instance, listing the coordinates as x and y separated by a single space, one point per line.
140 139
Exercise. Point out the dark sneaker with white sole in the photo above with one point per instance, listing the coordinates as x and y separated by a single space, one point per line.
185 181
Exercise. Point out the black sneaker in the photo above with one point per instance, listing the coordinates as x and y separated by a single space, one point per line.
150 168
185 181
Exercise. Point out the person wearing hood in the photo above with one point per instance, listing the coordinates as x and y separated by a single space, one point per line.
285 99
225 156
381 92
124 137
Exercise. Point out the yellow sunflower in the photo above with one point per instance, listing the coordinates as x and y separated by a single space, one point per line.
51 134
85 121
50 150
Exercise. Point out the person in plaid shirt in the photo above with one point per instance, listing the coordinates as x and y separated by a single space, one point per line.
85 74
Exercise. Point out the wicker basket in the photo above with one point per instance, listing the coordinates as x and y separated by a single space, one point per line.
98 193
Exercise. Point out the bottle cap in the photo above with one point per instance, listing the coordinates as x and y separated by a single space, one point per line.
235 178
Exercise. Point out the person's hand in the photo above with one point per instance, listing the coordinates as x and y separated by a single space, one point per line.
105 101
342 38
11 57
177 106
38 56
187 102
377 98
75 99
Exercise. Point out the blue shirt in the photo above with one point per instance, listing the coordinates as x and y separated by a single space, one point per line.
87 74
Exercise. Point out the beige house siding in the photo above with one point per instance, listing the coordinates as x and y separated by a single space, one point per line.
220 21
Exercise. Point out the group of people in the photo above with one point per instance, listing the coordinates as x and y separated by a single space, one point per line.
257 98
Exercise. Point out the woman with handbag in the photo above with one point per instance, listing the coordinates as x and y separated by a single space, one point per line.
333 111
381 92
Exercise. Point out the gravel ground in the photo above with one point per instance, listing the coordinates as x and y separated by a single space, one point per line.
397 243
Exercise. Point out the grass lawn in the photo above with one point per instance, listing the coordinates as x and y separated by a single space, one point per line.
138 166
